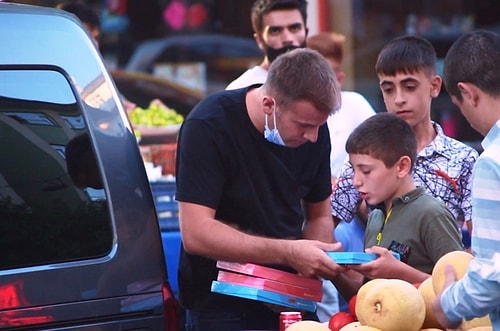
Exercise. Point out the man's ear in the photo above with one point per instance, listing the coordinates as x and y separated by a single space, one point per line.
436 83
259 41
267 104
404 166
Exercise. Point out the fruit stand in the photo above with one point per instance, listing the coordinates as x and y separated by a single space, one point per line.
156 129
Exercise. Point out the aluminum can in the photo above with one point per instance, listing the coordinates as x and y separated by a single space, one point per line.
287 318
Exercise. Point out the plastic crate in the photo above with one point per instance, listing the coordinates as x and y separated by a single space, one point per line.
171 249
166 205
168 219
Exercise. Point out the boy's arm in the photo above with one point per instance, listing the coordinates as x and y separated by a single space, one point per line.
348 283
387 266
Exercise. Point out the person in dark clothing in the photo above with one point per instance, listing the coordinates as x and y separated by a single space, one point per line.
253 185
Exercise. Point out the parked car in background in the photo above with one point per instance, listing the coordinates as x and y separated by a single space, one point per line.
79 235
207 62
141 88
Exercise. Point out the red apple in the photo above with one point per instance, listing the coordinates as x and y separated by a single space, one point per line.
352 306
339 320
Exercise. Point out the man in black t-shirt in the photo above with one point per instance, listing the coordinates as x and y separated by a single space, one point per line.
250 193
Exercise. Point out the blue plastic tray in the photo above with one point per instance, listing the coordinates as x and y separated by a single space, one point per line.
263 295
354 257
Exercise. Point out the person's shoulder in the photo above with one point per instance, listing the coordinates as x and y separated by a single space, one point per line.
357 102
353 95
459 147
431 205
452 147
354 109
212 104
255 75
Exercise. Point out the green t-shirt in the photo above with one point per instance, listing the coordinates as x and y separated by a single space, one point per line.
420 222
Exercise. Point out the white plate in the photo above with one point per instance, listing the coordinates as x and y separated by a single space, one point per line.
157 130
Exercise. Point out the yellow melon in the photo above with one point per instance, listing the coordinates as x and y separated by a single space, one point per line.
360 296
481 328
427 291
356 326
353 326
393 305
307 326
458 259
477 322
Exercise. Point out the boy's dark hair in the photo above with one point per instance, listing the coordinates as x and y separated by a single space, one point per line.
83 12
262 7
384 136
473 58
406 54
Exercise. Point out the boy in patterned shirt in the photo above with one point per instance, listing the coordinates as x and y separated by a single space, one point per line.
408 81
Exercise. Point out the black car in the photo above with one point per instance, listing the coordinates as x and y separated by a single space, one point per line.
79 237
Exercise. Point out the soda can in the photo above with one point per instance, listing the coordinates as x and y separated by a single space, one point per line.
287 318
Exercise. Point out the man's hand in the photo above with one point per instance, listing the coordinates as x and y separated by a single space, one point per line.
450 278
309 259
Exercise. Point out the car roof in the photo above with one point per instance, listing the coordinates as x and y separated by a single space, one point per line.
209 45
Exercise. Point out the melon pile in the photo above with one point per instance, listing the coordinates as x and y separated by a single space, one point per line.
396 305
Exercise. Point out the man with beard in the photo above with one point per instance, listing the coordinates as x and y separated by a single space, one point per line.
279 26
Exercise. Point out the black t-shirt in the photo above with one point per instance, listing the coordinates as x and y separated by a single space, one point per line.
225 163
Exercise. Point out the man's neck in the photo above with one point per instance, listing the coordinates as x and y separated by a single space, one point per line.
254 108
265 64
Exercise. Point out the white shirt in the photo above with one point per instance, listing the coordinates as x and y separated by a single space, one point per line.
354 110
255 75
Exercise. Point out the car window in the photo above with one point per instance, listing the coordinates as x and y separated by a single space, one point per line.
50 211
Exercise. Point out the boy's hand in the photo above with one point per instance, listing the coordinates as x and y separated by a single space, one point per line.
383 267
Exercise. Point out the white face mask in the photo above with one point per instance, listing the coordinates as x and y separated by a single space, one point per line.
273 135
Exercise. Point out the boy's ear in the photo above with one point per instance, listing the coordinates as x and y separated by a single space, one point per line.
436 83
404 166
468 92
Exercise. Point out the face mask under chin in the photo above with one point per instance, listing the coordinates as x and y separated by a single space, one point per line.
273 53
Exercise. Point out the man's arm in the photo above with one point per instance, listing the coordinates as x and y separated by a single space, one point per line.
319 224
450 277
203 235
350 281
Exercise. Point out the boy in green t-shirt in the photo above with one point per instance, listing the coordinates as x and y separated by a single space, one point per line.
408 221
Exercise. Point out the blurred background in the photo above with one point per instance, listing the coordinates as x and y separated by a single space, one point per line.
180 50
